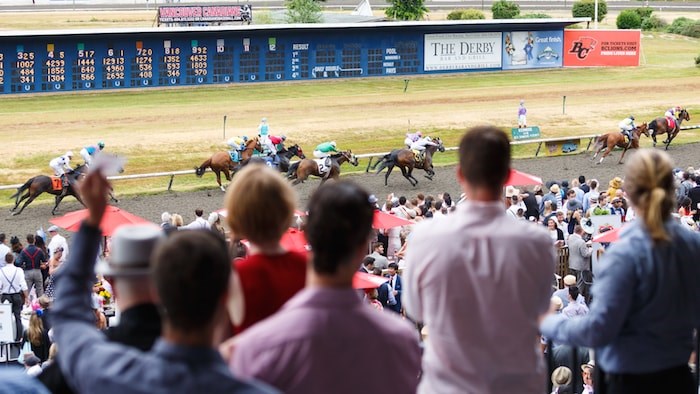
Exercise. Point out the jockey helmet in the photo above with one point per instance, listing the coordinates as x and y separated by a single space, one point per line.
283 137
678 107
522 101
418 133
69 154
101 145
631 117
428 139
264 120
333 143
245 138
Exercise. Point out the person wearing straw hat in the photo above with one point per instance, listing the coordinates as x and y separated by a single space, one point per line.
561 381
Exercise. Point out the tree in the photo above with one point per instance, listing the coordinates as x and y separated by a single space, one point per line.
586 9
303 11
629 19
504 9
470 13
406 10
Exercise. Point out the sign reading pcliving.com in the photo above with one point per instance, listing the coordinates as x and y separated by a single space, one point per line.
462 51
532 49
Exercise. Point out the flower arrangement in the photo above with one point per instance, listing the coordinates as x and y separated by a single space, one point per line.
106 295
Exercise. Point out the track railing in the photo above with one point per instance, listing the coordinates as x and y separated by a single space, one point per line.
370 156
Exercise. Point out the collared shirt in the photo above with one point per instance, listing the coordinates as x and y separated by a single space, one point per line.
92 364
198 223
573 309
479 281
646 303
30 258
4 250
58 241
380 261
12 280
318 342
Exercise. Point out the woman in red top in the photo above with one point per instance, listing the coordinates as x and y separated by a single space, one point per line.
260 208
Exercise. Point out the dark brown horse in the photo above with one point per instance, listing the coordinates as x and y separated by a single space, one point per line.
281 160
406 161
37 185
610 140
221 161
660 126
300 171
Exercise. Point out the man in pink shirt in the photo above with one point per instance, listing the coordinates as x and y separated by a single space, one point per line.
479 279
321 339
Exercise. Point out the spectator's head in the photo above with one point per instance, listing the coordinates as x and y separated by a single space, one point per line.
420 197
165 217
35 330
578 229
551 223
571 194
191 271
2 238
587 371
368 263
393 268
561 376
129 264
176 220
338 228
9 259
377 271
402 200
484 162
581 179
555 304
554 189
260 205
213 219
594 184
30 239
53 230
378 247
31 360
569 280
650 187
573 293
685 202
198 212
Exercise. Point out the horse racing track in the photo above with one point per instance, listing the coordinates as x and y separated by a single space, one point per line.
184 203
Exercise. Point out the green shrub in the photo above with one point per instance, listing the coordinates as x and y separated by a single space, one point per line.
697 61
468 14
692 30
504 9
653 23
644 12
679 24
629 19
586 9
535 16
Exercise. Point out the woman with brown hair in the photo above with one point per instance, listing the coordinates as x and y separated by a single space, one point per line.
647 292
260 207
38 336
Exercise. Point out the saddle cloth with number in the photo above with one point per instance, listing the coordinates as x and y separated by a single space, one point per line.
56 183
671 123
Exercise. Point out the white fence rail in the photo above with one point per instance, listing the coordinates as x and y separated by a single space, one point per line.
172 174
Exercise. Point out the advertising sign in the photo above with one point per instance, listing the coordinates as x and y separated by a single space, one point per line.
525 133
532 49
462 51
558 148
208 13
587 48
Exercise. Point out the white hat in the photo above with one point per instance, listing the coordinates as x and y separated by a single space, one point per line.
511 191
264 120
69 153
561 376
132 247
53 228
570 280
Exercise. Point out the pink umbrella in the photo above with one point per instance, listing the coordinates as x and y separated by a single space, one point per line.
294 240
363 280
608 236
384 220
519 178
113 218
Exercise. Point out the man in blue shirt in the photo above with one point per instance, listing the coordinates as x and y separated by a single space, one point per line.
192 303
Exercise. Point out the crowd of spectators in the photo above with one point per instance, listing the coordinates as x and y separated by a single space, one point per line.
225 307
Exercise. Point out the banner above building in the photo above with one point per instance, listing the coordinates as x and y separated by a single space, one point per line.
590 48
532 49
462 51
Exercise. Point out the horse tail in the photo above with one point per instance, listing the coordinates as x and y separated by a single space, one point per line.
292 171
22 189
652 126
200 170
382 163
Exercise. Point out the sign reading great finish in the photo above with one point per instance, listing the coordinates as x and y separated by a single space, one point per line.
206 13
462 51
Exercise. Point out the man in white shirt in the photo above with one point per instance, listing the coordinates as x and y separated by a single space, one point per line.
4 249
198 223
479 280
13 287
57 241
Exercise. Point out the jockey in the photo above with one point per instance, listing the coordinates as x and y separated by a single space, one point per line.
60 164
236 144
674 112
264 134
325 149
88 152
275 143
411 138
626 127
421 144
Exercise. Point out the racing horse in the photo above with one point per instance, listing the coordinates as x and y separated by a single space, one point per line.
661 126
221 161
40 184
406 161
281 160
610 140
301 170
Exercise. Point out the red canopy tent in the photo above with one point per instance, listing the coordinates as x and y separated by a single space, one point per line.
383 220
294 240
608 236
113 219
363 280
519 178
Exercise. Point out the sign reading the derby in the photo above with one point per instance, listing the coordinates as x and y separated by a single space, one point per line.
462 51
207 13
585 48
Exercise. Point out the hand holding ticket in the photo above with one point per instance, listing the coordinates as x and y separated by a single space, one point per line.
108 164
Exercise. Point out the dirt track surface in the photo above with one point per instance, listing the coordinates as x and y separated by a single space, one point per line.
184 203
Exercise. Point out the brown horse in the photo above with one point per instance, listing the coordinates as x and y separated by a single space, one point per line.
37 185
221 161
406 161
301 170
660 126
611 140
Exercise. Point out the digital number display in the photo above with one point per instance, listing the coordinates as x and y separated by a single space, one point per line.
2 69
198 65
114 69
142 67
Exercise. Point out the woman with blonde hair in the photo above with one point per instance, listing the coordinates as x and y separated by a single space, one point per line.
260 205
647 292
38 336
176 220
